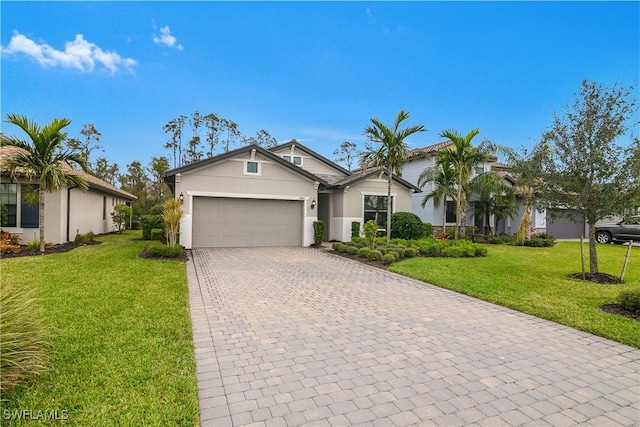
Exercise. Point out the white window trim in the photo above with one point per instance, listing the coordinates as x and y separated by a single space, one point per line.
292 159
373 193
245 165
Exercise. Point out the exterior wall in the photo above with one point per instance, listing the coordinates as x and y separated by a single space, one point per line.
227 178
309 163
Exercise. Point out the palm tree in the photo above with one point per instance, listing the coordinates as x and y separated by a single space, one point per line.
443 176
43 159
495 195
391 153
463 157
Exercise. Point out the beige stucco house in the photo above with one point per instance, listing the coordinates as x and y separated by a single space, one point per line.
254 196
68 211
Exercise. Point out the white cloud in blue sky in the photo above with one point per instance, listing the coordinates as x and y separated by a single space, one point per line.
78 54
167 39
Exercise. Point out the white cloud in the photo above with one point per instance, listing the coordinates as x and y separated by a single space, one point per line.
78 54
167 39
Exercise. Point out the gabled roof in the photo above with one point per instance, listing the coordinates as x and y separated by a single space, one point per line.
428 150
311 153
95 183
247 148
359 176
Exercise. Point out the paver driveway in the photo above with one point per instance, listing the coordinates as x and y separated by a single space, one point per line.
297 336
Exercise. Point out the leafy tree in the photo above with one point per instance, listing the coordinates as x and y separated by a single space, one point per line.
443 177
44 159
120 216
496 197
262 139
391 151
193 152
348 153
158 189
174 129
106 171
88 145
582 164
136 182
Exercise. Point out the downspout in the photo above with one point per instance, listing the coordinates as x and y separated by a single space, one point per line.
69 210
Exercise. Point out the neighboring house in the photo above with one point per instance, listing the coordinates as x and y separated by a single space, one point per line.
68 211
258 197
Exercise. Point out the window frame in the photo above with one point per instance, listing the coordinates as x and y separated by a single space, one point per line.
246 171
13 213
450 213
380 216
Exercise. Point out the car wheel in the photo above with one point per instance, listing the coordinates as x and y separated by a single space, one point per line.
603 237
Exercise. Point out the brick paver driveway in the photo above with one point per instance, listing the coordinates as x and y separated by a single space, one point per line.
295 336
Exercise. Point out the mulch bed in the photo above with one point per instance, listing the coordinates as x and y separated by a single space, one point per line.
601 278
616 308
55 249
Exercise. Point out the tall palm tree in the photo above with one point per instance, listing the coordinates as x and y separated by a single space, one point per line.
391 153
443 176
463 157
495 195
43 158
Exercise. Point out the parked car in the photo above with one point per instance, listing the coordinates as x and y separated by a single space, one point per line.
625 230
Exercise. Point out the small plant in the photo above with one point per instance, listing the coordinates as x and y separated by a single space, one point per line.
427 229
157 234
34 245
370 229
406 225
120 216
22 335
355 229
318 232
84 239
148 222
388 259
353 250
158 250
410 253
335 246
10 243
630 300
374 255
442 236
171 215
364 252
342 247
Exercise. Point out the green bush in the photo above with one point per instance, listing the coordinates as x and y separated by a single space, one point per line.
357 239
149 222
24 349
335 245
33 245
388 259
630 300
453 251
375 255
406 225
84 239
370 229
343 247
410 253
394 254
363 252
427 229
158 250
157 234
318 232
355 229
353 250
350 243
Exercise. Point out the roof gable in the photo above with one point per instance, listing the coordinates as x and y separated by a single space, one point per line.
310 152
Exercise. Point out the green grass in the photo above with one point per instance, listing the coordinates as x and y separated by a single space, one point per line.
533 280
120 333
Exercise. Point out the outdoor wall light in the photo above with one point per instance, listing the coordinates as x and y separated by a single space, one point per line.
313 203
181 197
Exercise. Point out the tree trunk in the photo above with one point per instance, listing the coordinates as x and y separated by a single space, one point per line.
456 232
593 254
41 205
389 208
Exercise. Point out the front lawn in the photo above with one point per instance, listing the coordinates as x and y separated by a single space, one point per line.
533 280
120 333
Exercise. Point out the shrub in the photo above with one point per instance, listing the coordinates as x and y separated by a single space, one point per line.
394 254
355 229
453 251
370 229
148 222
388 259
406 225
363 252
318 232
24 349
410 253
630 300
374 255
342 247
357 239
33 245
157 234
353 250
442 236
84 239
427 229
400 251
120 216
540 242
171 216
158 250
8 248
335 245
8 238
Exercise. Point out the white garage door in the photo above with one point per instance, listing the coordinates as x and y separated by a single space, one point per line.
565 224
225 222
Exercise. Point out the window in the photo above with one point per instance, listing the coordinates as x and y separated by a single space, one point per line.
9 199
29 206
252 167
297 160
479 170
375 208
451 211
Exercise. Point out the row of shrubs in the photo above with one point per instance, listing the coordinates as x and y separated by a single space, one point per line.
543 240
158 250
404 248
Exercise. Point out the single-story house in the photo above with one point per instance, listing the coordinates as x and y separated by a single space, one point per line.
68 211
254 196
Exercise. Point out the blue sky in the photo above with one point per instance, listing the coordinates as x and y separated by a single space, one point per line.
314 71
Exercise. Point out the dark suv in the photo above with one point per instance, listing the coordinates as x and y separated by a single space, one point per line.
627 229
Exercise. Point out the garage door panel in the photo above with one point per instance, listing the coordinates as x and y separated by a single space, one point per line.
226 222
565 224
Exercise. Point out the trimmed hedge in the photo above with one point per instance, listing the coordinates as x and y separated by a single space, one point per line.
149 222
157 234
406 225
158 250
630 300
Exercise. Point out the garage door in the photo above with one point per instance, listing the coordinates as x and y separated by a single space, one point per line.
562 225
225 222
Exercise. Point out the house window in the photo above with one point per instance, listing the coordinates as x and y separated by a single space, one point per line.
451 212
29 206
375 208
104 208
252 168
9 199
297 160
479 170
